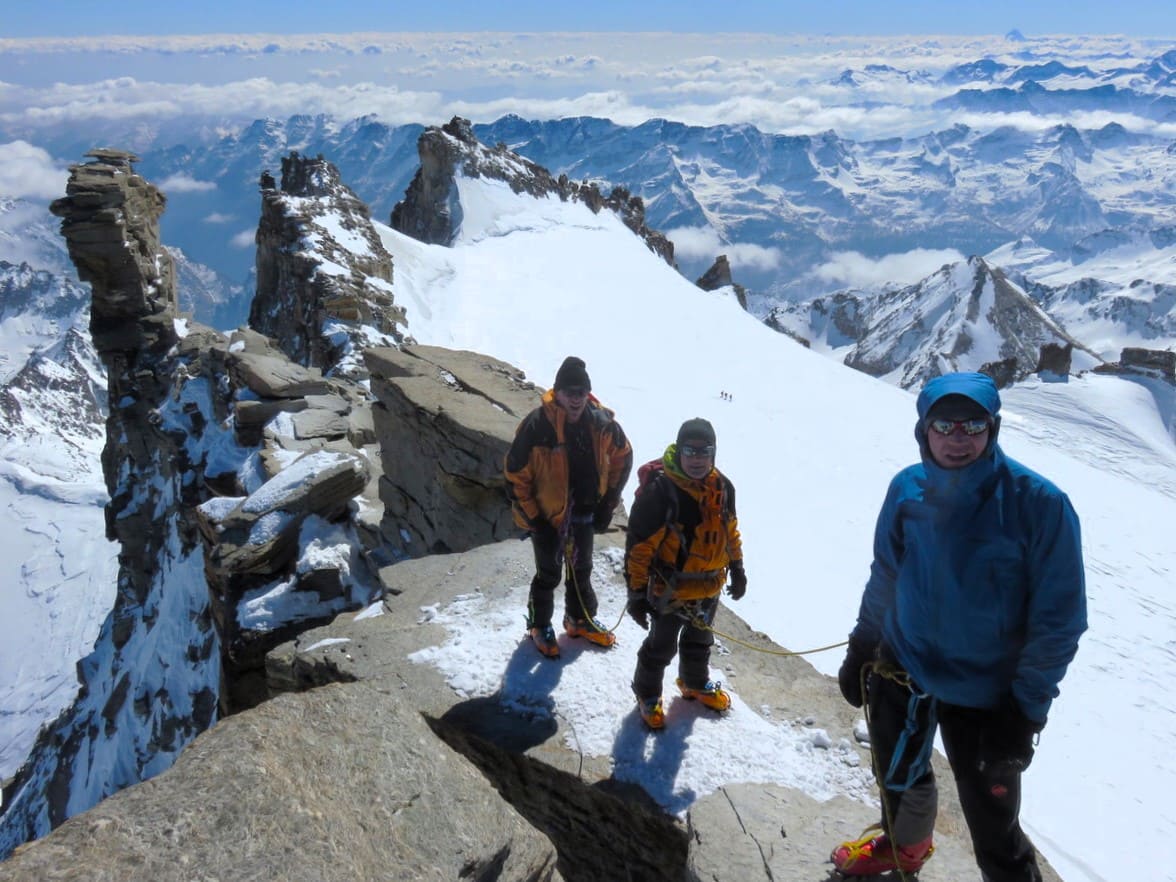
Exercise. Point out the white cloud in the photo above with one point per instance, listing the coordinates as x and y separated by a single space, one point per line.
182 183
703 243
244 239
853 270
30 172
217 218
784 84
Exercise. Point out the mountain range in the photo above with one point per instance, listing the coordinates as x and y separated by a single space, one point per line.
1060 237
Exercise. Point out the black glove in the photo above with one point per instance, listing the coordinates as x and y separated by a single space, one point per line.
738 586
849 678
1006 741
639 609
603 514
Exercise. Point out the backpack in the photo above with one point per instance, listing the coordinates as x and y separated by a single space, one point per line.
649 474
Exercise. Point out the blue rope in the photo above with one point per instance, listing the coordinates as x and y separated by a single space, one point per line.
922 760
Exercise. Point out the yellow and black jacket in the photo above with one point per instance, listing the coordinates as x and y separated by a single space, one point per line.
683 534
537 463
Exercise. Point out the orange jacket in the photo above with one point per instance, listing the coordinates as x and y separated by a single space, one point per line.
691 553
536 466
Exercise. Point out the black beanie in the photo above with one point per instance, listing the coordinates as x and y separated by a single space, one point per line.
957 407
696 429
573 372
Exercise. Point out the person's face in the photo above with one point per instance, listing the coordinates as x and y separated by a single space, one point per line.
951 445
697 458
573 399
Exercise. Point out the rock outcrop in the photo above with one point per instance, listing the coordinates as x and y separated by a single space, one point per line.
431 211
147 689
1139 362
719 276
445 420
243 497
324 278
339 783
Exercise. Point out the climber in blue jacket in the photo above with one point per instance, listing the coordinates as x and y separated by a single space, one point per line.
972 613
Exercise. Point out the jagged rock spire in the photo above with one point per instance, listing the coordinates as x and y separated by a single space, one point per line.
719 276
110 221
324 278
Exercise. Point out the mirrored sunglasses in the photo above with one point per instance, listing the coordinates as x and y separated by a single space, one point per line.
696 450
970 427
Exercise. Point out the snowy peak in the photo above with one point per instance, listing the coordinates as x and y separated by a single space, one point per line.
966 316
60 392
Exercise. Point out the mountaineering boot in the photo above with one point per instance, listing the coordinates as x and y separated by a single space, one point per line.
652 712
591 630
873 854
544 640
713 695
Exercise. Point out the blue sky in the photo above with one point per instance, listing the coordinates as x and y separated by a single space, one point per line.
141 17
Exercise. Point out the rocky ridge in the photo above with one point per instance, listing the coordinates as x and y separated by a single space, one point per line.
244 493
431 212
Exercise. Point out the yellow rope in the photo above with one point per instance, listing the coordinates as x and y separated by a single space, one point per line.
698 622
569 551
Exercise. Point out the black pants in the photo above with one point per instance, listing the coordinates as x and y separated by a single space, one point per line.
991 805
550 546
671 634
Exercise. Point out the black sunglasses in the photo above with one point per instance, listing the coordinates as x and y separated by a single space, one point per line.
693 450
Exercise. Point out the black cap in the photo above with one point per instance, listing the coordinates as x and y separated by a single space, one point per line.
696 429
957 407
573 372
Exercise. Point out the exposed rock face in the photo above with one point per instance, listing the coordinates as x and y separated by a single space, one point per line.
1158 363
243 499
948 314
61 389
145 693
324 279
431 211
335 784
445 420
719 276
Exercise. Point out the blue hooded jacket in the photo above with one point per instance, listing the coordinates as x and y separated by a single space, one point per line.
977 586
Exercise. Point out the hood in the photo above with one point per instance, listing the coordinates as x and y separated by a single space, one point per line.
979 387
